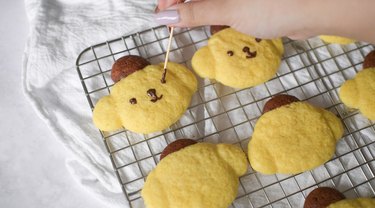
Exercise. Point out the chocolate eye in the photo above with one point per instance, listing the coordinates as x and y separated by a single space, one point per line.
133 101
246 49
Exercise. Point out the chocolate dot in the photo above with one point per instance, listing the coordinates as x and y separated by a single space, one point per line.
258 39
246 49
133 101
230 53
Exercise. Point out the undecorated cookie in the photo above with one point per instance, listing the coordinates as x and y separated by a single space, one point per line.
336 39
142 103
293 137
198 175
238 60
360 92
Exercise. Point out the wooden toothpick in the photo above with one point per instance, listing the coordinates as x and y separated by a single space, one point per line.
167 56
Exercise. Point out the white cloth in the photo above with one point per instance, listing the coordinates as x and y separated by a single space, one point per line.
59 31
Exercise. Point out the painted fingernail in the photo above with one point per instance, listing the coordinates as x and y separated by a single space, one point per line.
167 17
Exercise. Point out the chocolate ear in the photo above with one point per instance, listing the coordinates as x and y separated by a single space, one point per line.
369 61
127 65
175 146
217 28
278 101
322 197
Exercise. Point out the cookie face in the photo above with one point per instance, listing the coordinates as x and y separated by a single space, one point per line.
199 175
322 197
336 39
142 104
293 138
354 203
360 92
238 60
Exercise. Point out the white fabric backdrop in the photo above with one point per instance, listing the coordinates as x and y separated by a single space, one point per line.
59 31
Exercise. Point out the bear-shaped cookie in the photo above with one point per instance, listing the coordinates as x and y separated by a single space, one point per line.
292 137
142 103
238 60
360 92
336 39
198 175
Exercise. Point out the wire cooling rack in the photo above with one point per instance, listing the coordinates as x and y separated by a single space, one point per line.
311 70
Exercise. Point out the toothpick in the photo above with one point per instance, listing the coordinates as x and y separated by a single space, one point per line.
167 55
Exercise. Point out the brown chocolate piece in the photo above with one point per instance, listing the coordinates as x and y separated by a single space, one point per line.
217 28
322 197
230 53
163 81
152 94
126 65
249 53
278 101
133 101
258 40
369 61
175 146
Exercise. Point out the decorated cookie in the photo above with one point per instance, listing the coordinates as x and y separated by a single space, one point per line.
336 39
360 92
147 100
325 197
197 175
238 60
293 137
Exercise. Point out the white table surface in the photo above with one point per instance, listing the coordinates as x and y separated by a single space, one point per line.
32 161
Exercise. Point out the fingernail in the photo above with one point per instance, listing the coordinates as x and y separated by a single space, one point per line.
167 17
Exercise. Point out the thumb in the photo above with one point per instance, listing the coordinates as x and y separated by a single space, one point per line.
194 13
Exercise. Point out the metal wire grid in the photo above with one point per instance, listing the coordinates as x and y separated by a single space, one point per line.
311 70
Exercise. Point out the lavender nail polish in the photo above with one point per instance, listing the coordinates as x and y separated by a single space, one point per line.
167 17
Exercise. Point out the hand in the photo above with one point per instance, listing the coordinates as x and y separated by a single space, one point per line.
296 19
260 18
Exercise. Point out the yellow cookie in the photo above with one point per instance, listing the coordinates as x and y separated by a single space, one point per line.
336 39
142 104
354 203
238 60
201 175
293 138
360 92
